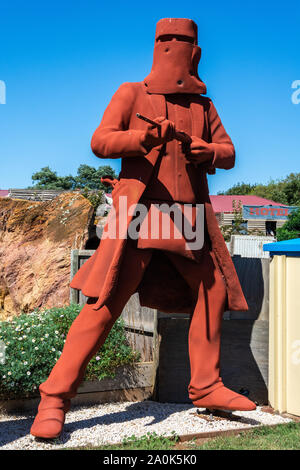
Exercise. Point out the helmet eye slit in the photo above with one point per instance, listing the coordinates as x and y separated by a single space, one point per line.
175 37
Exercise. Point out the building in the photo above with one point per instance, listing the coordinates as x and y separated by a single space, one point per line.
259 214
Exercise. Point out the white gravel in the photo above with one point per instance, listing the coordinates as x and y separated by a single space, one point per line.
110 422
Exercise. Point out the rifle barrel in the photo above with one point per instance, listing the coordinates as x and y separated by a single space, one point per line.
180 136
144 118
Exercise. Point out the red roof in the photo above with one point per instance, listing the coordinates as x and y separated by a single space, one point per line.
224 203
4 192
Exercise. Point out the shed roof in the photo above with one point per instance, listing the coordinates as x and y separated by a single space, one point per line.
288 247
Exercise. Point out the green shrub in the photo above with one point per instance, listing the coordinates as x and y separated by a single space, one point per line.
291 228
33 343
96 197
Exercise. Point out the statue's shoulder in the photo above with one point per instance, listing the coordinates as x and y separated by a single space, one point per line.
131 86
205 101
128 90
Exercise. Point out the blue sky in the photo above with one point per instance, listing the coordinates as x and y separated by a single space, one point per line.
61 62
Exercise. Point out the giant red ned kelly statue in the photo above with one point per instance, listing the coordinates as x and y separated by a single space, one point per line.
169 136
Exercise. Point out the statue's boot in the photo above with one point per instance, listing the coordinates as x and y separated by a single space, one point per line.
50 419
208 286
86 335
225 399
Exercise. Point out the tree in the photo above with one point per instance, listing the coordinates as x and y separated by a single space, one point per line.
239 189
48 179
238 226
292 189
87 177
284 191
291 228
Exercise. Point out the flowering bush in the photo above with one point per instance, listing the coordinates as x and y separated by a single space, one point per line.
33 343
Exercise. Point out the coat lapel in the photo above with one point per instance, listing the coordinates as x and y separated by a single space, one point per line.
158 105
197 112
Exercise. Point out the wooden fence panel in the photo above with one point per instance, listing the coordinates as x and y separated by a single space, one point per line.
139 321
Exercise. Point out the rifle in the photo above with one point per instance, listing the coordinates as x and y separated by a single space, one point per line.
182 137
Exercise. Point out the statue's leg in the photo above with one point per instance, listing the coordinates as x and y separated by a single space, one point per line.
86 335
206 388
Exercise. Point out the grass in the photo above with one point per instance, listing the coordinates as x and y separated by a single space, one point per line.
280 437
150 441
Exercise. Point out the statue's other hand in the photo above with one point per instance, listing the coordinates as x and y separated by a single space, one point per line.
155 136
199 151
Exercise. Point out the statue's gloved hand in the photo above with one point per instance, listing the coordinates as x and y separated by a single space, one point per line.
155 136
199 151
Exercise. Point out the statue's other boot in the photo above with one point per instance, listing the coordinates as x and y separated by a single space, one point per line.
206 389
225 399
49 421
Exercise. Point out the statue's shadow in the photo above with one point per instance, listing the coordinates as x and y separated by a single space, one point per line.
12 430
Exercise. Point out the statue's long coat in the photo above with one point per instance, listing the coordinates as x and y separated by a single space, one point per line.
119 135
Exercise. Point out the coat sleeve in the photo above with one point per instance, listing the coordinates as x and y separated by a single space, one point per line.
113 138
224 153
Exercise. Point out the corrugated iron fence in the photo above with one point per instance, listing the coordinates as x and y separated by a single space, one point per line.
249 246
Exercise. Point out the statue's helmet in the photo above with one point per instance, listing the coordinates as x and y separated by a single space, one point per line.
175 59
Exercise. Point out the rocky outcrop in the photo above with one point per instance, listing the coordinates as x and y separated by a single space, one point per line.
35 243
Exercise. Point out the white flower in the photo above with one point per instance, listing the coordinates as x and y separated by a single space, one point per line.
33 340
25 363
97 358
36 348
28 372
4 377
9 373
56 332
53 349
23 352
46 335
